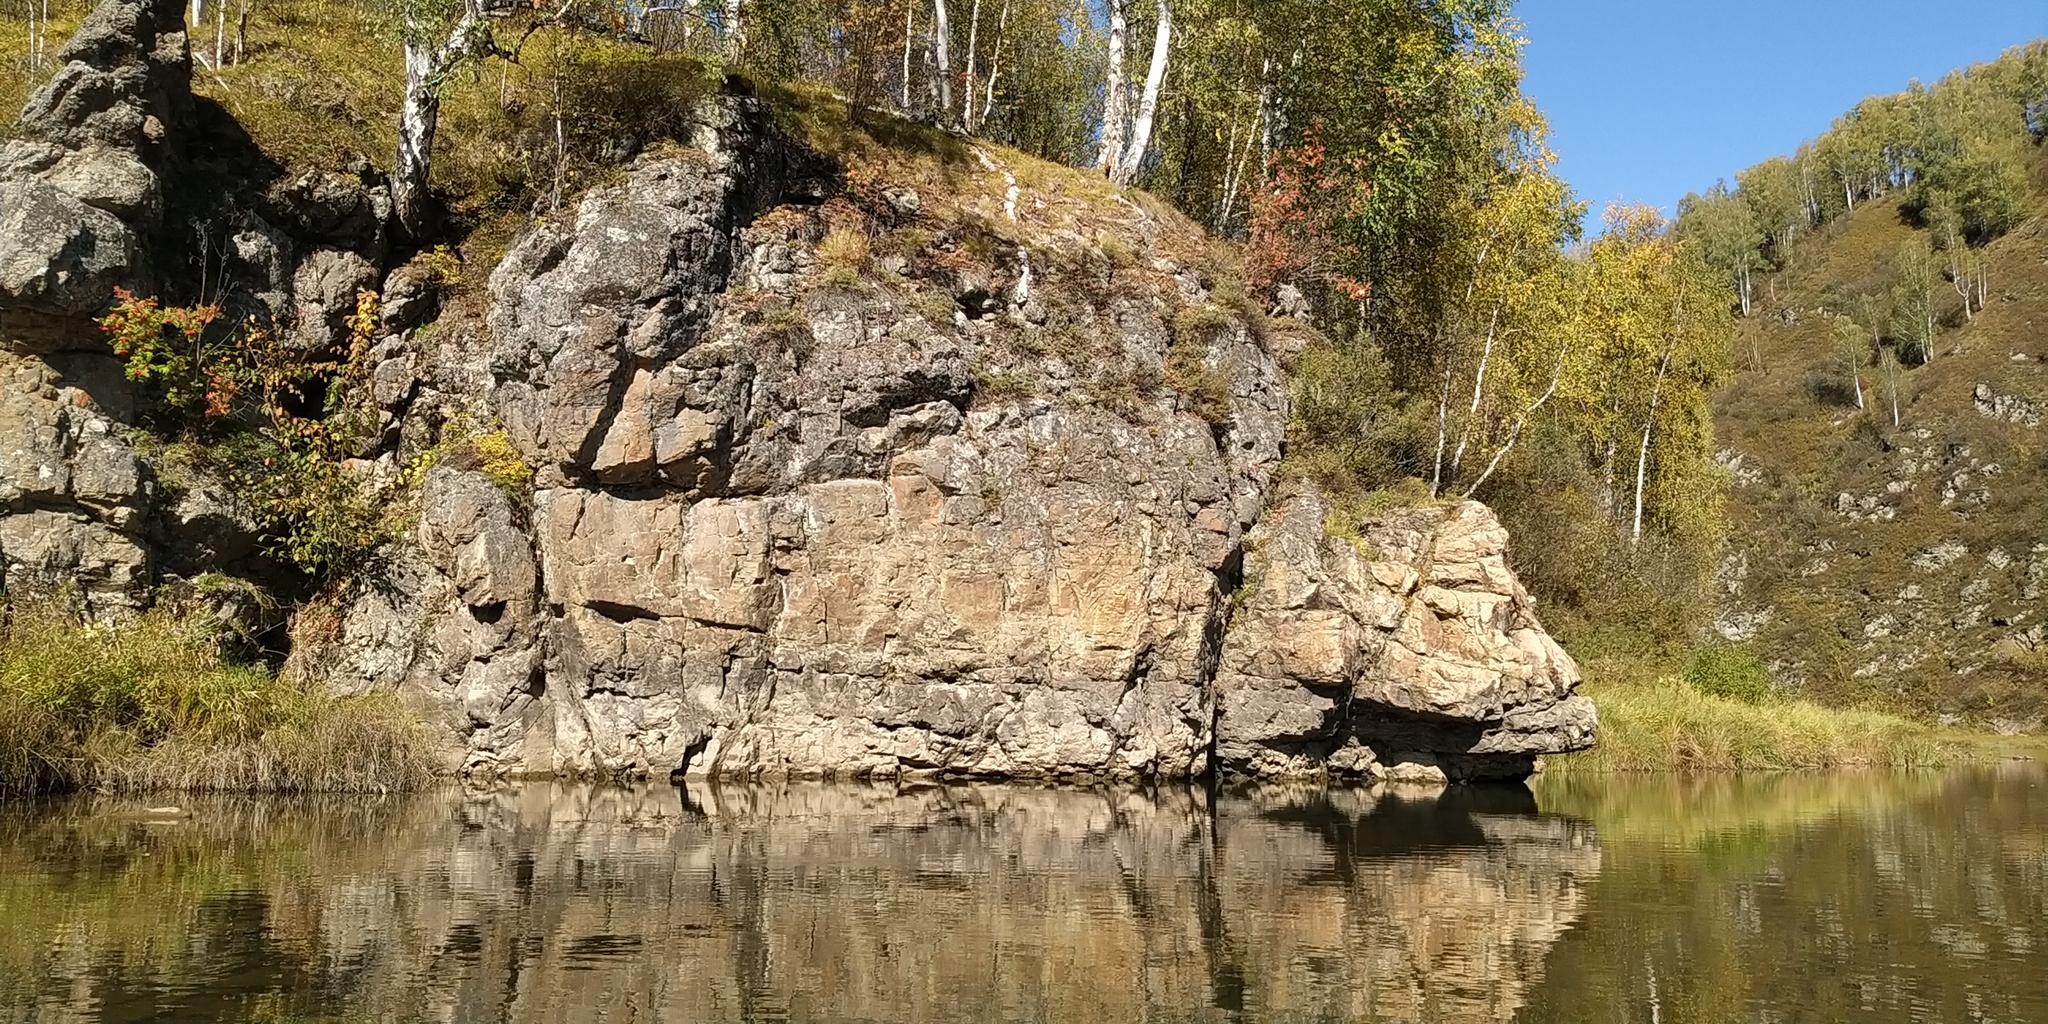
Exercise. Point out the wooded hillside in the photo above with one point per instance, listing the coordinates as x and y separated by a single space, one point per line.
1883 429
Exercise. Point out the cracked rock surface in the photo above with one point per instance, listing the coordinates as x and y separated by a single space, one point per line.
814 542
999 501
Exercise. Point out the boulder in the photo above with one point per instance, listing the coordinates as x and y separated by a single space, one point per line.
1408 650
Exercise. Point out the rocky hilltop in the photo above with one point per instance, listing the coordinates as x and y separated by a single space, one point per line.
975 467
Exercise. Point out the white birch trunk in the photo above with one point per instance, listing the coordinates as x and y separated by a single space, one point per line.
908 36
1478 393
735 30
1233 169
1635 533
1269 128
1148 106
942 44
1521 421
973 47
995 66
419 115
1114 101
1443 434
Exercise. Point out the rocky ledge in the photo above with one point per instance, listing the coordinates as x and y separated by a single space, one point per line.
1003 500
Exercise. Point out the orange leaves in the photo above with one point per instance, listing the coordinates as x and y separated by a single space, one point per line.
1292 236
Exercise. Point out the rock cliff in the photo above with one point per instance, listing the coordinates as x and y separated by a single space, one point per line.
822 473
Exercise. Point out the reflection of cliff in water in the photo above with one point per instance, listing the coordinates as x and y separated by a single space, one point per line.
558 903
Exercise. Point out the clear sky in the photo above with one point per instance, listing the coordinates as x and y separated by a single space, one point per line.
1651 99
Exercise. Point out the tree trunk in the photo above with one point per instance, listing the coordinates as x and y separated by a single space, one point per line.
1478 392
942 44
1269 129
418 117
1521 421
1114 102
1443 434
973 44
1635 533
1148 107
995 66
1233 177
908 35
735 30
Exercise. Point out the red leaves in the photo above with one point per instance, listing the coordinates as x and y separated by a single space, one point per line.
1295 214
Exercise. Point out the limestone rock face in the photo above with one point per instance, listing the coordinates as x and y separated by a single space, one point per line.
995 501
1408 651
781 525
811 549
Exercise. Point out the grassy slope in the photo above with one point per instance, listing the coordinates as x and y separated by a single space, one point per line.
1853 618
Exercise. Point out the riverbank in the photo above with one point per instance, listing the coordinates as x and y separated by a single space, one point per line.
152 704
1671 725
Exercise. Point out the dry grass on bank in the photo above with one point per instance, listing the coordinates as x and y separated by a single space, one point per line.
1670 725
151 704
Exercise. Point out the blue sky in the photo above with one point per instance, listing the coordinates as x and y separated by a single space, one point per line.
1650 99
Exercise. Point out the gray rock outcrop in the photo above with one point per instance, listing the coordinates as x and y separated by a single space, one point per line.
113 168
705 487
788 526
1409 650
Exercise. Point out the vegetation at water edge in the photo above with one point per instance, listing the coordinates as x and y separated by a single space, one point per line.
152 703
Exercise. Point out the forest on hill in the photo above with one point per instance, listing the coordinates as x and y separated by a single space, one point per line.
1883 422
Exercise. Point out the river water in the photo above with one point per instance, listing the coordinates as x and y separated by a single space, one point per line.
1581 900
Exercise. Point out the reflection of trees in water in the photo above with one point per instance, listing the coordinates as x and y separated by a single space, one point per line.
1878 897
812 902
1874 898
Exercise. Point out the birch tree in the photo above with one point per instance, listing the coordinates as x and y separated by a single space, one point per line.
1851 345
1115 99
1725 229
439 37
1914 319
1126 168
1891 375
942 43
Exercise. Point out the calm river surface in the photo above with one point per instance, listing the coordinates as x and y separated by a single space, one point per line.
1587 900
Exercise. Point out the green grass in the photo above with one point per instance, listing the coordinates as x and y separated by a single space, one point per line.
1668 725
151 704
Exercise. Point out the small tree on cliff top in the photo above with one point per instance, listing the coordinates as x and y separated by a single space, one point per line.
440 38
